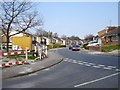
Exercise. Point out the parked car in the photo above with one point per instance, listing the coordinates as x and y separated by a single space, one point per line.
75 48
70 47
93 43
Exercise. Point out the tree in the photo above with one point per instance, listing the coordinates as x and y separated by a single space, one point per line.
17 16
55 35
74 38
89 37
64 37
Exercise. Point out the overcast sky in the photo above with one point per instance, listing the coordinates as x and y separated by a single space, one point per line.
78 18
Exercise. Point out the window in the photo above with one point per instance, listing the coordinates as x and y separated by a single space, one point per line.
115 38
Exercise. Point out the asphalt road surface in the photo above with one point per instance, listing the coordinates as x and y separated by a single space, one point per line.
78 70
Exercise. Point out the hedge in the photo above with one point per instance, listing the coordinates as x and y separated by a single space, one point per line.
55 46
109 48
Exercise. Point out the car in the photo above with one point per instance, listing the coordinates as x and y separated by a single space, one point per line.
93 44
75 48
70 47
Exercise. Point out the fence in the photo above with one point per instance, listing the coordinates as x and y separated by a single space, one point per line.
42 53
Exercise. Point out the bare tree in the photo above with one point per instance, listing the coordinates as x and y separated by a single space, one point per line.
55 35
17 16
89 37
64 37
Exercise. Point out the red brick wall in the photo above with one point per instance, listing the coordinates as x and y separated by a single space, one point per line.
95 48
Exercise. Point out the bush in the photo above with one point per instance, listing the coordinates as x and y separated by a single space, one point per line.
49 46
56 45
85 46
109 48
62 45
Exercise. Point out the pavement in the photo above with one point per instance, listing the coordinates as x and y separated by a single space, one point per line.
20 70
113 53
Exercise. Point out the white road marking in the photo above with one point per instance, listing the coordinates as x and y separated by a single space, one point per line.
107 68
96 66
74 62
65 60
111 66
117 69
101 65
71 59
99 79
87 64
91 63
80 63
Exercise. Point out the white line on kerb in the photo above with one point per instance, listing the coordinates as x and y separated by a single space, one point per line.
97 80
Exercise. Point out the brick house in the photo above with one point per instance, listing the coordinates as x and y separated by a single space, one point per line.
112 37
103 34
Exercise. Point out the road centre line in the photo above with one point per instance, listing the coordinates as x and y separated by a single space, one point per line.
80 63
117 69
65 60
96 66
96 80
111 66
107 68
101 65
87 64
74 62
92 64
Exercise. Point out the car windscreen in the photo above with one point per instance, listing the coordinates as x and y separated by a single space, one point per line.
76 46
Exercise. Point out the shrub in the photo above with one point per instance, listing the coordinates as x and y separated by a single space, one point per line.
62 45
109 48
49 46
85 46
56 45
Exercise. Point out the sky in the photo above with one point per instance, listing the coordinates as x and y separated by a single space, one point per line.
77 18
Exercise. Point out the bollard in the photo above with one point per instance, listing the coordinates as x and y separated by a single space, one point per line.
26 54
35 47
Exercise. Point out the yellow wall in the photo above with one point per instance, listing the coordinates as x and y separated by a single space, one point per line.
23 42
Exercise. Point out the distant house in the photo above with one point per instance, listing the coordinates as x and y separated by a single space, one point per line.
63 42
46 41
55 41
36 39
68 42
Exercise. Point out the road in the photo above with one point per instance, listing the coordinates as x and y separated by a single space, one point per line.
78 70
